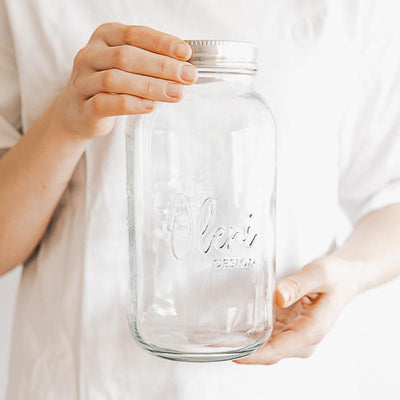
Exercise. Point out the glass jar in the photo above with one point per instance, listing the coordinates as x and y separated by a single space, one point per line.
201 200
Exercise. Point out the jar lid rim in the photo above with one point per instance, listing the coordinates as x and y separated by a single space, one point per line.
224 54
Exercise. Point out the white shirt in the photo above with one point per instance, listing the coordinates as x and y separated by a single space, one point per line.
329 70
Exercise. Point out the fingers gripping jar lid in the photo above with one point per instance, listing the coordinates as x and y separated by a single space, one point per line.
224 55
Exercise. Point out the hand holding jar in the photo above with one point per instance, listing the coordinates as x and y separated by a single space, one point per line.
309 302
122 70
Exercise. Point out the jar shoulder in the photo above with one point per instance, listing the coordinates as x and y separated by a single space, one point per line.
230 111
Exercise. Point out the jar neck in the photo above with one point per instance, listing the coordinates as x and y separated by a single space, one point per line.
245 79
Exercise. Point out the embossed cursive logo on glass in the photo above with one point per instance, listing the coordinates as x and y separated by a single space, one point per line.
183 226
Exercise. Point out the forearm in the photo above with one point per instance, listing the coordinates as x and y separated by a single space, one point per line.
33 177
375 242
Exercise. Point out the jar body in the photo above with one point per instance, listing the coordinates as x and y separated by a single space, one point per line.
201 202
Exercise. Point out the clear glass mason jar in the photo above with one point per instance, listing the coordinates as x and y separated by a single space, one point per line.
201 200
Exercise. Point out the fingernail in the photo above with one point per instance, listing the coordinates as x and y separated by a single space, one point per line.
188 73
173 90
284 294
148 104
182 50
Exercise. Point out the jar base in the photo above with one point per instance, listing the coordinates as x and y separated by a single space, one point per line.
200 345
202 357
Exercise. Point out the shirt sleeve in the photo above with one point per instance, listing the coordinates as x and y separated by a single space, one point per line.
370 136
10 104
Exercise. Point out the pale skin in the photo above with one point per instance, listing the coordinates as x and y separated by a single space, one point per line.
125 70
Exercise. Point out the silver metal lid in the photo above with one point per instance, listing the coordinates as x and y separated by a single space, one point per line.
224 55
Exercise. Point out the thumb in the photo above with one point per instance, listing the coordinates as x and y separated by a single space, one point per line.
293 287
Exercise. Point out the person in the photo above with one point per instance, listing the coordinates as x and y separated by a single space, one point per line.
330 72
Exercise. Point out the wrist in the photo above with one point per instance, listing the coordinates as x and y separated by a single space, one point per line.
59 129
358 279
58 132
